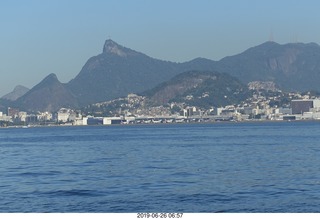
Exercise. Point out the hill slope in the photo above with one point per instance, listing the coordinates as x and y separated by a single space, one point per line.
49 95
199 88
293 67
17 92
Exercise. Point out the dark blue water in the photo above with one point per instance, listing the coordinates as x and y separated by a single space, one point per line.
226 167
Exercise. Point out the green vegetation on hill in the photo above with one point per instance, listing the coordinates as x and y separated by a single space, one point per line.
200 88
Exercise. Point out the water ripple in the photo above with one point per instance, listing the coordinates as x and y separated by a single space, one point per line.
245 167
72 192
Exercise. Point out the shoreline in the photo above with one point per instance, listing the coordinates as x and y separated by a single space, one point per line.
162 124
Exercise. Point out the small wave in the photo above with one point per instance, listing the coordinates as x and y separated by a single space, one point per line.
73 192
209 198
183 174
158 168
37 174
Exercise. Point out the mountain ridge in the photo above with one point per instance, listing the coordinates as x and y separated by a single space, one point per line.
48 95
118 71
17 92
290 65
121 71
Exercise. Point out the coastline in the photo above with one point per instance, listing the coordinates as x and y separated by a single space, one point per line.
163 124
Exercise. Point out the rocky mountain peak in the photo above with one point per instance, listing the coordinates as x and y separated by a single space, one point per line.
112 47
50 79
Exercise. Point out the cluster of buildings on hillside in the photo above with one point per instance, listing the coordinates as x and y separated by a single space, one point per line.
300 109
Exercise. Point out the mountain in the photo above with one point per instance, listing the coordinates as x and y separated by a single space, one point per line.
199 88
114 73
118 71
293 66
49 95
17 92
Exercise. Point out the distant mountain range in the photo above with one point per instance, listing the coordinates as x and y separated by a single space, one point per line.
17 92
118 71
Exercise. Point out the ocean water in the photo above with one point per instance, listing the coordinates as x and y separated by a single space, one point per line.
222 167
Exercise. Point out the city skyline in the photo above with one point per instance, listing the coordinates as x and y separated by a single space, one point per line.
43 37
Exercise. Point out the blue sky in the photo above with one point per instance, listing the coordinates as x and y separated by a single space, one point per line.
39 37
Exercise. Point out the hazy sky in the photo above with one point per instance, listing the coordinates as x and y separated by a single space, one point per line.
39 37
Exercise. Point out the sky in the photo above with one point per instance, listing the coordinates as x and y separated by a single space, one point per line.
39 37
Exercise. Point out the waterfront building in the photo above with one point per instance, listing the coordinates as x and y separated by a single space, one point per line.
80 121
218 111
4 117
130 119
94 121
188 112
247 110
23 116
13 112
65 115
316 103
301 106
283 111
32 119
112 120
